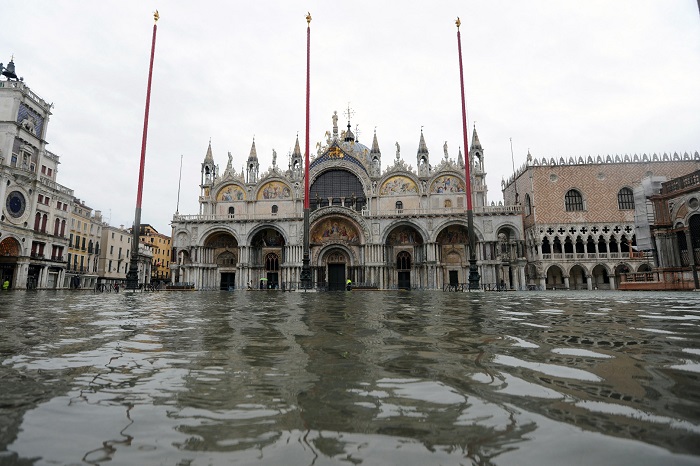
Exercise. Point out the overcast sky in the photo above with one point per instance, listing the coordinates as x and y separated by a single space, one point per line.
561 78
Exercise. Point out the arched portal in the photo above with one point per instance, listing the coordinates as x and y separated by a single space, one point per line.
266 257
221 248
555 277
405 245
10 250
577 278
453 253
335 263
600 277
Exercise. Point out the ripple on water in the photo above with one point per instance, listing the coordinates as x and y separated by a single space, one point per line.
580 352
549 369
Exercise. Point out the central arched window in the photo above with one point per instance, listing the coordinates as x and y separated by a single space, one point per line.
274 209
403 261
625 199
335 185
399 206
231 211
573 201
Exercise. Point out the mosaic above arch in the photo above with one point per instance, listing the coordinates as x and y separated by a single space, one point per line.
268 237
231 192
398 185
453 234
334 229
447 184
274 190
404 235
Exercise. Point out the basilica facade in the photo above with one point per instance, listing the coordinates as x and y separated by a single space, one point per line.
392 228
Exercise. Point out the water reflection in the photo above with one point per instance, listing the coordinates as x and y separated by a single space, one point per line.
363 377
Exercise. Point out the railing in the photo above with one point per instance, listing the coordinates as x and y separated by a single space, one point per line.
451 211
237 216
639 255
684 182
53 185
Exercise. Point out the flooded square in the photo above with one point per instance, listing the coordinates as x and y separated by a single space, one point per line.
361 377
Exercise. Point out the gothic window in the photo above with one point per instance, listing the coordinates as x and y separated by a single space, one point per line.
403 261
625 199
573 201
528 205
272 262
56 227
546 247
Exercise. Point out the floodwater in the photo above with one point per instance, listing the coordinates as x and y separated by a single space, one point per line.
361 377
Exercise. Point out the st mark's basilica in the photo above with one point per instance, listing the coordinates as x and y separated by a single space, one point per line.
397 228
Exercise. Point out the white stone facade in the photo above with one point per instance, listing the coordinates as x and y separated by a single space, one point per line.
396 228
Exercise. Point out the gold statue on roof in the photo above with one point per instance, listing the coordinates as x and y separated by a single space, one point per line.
156 16
308 18
458 22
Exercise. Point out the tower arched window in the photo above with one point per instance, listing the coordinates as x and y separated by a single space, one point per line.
625 199
573 201
528 205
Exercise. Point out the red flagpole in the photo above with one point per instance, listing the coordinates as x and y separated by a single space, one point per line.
305 276
308 91
132 276
473 269
145 118
464 122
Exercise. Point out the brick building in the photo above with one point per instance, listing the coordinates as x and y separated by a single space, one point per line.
579 216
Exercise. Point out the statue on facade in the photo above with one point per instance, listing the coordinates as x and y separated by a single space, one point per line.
274 158
398 151
229 165
444 148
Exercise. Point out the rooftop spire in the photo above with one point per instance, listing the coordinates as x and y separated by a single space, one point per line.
209 157
375 144
297 149
422 148
253 153
475 140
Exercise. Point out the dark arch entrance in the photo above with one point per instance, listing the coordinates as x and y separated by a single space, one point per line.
337 260
9 253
